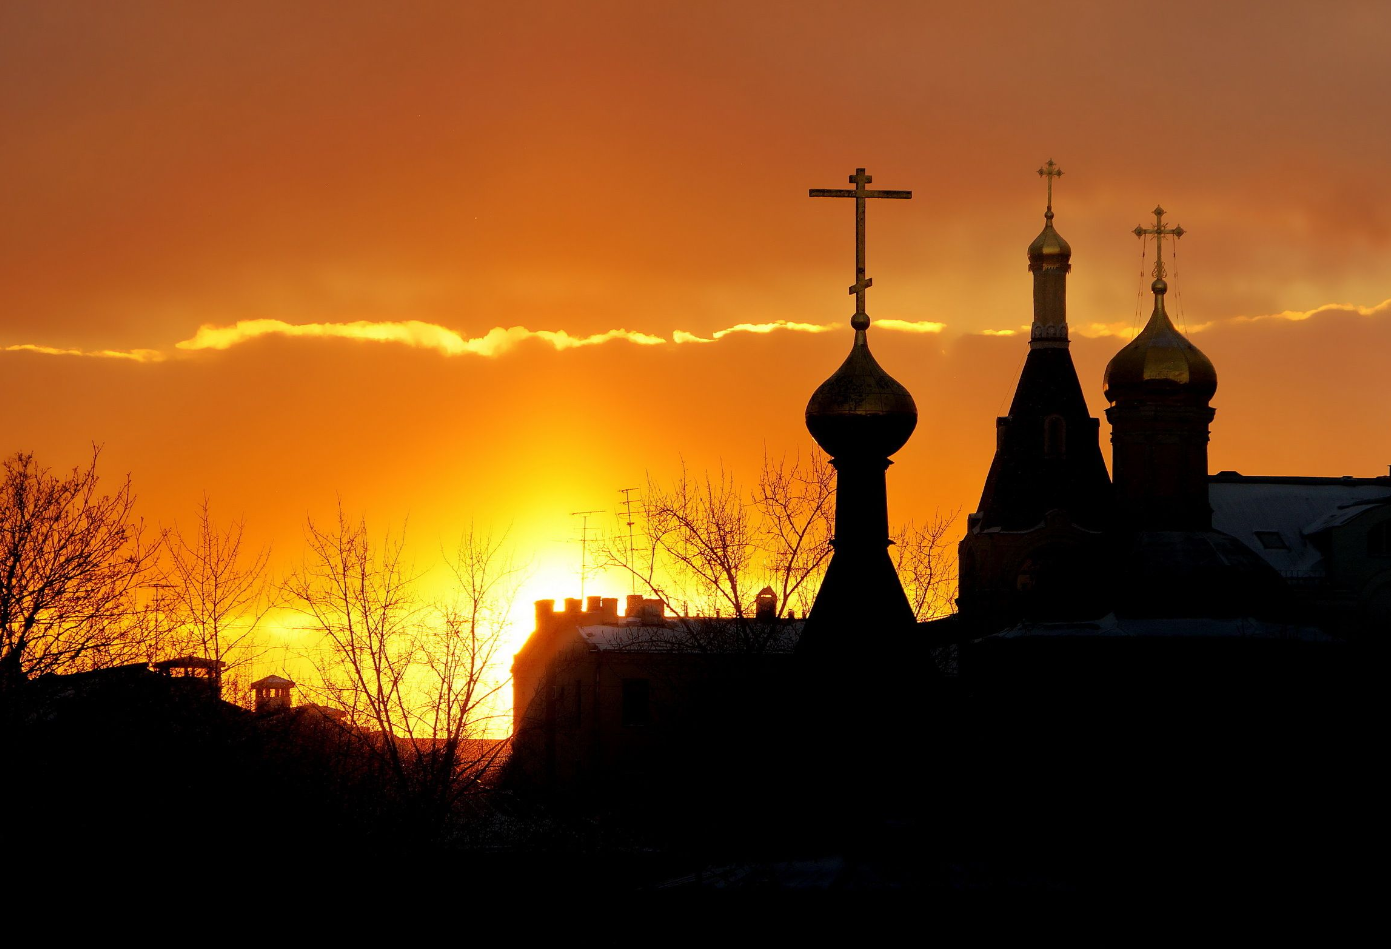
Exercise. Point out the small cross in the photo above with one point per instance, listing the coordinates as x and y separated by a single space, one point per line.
1050 171
859 179
1160 232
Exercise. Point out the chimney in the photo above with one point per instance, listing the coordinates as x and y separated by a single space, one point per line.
765 605
591 604
544 610
272 694
652 612
609 607
573 604
634 607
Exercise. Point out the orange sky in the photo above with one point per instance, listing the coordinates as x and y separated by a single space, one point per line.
577 169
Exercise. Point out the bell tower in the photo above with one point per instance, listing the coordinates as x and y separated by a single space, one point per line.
1034 543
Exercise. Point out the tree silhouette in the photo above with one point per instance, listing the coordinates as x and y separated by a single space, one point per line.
219 590
71 561
416 683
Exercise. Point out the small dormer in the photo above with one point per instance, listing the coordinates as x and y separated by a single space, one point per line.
272 693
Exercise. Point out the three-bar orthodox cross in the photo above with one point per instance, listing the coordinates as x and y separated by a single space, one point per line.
859 179
1050 171
1160 232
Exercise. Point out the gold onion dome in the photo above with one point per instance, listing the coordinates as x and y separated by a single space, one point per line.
1049 251
861 409
1160 364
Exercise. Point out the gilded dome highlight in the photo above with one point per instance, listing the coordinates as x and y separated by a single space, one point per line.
1049 251
1160 363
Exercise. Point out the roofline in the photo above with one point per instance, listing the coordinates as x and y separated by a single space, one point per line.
1236 477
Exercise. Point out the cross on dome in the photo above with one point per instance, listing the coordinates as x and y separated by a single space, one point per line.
859 179
1049 171
1160 232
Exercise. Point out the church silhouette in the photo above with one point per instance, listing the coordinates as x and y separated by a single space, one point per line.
1152 662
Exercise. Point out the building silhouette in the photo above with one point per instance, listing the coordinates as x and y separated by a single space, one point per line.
1153 663
1035 547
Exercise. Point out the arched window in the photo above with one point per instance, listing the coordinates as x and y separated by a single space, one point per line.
1054 437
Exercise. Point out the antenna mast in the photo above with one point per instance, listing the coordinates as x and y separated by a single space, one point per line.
584 540
628 513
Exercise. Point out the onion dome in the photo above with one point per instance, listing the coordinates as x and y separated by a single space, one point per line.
1160 364
1049 251
861 409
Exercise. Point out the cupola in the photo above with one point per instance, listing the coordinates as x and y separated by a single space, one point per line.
1160 364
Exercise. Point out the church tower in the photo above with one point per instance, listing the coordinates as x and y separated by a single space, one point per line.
1034 545
1173 563
1159 387
859 416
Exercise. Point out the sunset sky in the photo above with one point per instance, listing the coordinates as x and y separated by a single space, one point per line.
455 261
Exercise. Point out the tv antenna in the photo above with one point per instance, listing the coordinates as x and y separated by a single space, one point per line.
584 541
628 514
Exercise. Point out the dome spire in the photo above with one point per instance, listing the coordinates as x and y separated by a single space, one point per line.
1160 362
860 409
860 416
1050 260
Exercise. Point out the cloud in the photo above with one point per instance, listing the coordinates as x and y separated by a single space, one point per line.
414 333
1126 330
910 326
500 340
1123 329
134 355
1381 309
906 326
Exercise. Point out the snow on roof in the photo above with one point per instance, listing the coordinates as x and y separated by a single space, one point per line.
1276 516
695 634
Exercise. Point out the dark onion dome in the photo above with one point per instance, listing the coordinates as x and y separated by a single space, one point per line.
861 409
1160 364
1049 251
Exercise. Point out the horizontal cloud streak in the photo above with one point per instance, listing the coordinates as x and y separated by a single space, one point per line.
134 355
500 340
1126 330
414 333
906 326
1381 309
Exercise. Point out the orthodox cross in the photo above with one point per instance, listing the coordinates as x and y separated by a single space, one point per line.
1050 171
859 179
1160 232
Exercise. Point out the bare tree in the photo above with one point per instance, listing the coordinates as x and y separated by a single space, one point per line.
461 653
925 558
358 597
416 683
218 588
709 547
702 541
796 502
71 561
